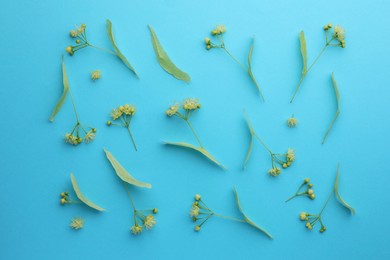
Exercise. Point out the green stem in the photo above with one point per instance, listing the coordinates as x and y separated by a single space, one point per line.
265 146
234 219
193 131
326 203
102 49
131 199
242 66
291 198
74 106
132 138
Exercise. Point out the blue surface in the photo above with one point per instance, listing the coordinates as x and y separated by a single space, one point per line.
36 163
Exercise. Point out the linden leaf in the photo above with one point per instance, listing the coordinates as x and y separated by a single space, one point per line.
123 174
64 92
252 132
116 49
164 61
336 189
302 40
81 196
250 68
247 220
198 149
336 90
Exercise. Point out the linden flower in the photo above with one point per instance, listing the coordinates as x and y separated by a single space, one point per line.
191 104
303 216
194 212
292 122
136 229
116 113
71 139
274 171
77 223
339 33
69 50
220 29
290 155
89 136
128 109
172 109
149 222
96 74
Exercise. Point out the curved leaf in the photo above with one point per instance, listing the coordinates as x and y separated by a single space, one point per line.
336 189
81 196
302 41
336 91
250 68
198 149
165 61
252 132
123 174
116 49
247 220
64 92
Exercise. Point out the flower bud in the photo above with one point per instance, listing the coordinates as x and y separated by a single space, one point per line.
63 201
69 50
94 130
197 197
310 185
310 191
313 196
77 41
207 40
108 123
285 165
307 180
197 228
155 211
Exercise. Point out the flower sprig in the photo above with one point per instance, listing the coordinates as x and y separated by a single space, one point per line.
201 213
333 39
292 122
80 36
309 192
124 114
189 106
312 219
285 160
218 32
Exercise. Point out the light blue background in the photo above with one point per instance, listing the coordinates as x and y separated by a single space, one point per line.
36 163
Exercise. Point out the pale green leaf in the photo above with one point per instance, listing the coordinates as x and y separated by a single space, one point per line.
116 49
250 68
247 220
337 94
164 61
123 174
336 189
81 196
252 132
302 40
198 149
65 91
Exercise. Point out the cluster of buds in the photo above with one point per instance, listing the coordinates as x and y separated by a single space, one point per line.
309 192
285 160
75 136
338 34
199 212
292 122
81 39
64 198
217 32
311 220
123 115
147 221
189 104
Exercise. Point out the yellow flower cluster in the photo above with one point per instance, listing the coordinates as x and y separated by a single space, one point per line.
136 229
123 110
172 109
274 171
191 104
79 30
292 122
148 222
219 29
64 198
77 223
76 139
96 74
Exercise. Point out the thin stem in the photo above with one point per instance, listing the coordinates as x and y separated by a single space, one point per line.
131 199
326 203
74 105
223 47
291 198
330 126
132 138
193 131
235 219
102 49
266 147
311 66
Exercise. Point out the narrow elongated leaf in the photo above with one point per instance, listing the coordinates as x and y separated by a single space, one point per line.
336 91
116 49
65 91
247 220
81 196
198 149
336 189
252 132
164 61
302 40
250 68
123 174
